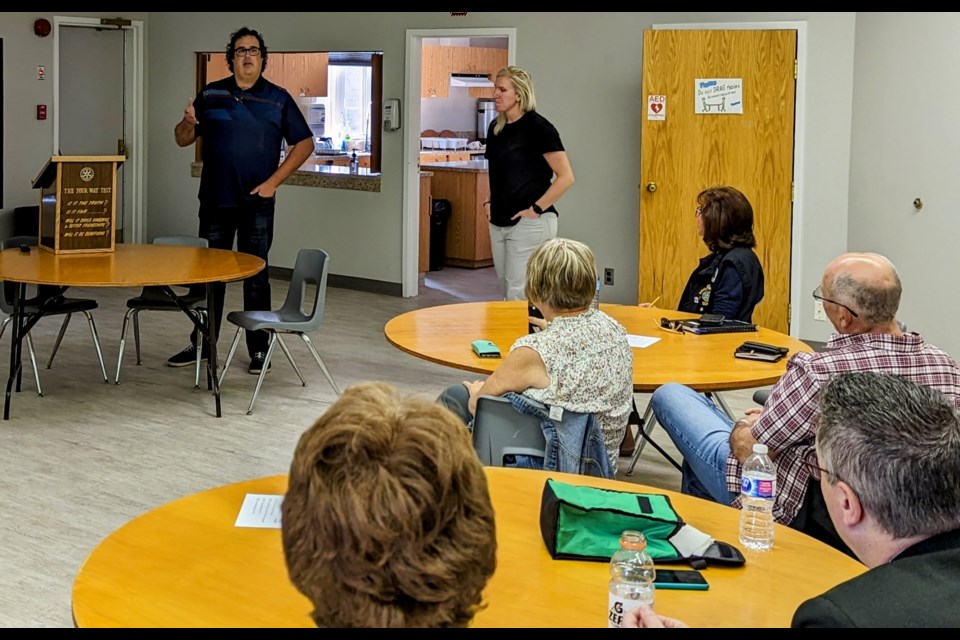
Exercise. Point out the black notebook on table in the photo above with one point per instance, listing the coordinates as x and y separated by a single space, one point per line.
726 326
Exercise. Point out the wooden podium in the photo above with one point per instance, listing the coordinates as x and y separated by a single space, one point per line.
78 203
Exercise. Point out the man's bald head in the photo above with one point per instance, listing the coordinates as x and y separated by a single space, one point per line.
868 283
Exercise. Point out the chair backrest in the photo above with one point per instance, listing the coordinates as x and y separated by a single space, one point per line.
6 291
311 268
499 430
182 241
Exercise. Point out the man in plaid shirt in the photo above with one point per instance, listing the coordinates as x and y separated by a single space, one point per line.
860 294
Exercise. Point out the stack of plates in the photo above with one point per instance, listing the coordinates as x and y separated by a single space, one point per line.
443 143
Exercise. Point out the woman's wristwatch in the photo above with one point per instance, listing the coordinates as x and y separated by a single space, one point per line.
536 209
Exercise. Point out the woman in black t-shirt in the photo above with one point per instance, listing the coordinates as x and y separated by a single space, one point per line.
529 172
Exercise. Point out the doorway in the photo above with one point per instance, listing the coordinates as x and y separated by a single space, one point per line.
410 250
98 104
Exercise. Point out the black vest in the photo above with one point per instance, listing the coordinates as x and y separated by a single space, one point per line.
697 295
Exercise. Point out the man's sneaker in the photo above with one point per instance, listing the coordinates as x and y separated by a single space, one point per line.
256 363
186 357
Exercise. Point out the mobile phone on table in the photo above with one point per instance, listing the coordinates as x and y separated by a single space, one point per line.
535 313
680 579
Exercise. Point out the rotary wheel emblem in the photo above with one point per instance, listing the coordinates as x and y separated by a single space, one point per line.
86 174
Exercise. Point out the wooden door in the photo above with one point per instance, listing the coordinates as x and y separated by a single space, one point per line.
217 68
686 152
305 74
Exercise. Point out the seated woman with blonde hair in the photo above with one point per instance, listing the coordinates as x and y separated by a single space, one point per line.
580 361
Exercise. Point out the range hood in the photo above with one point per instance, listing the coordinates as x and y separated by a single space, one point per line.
470 80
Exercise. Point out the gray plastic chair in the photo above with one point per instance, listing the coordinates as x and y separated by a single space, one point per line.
499 430
311 268
154 298
59 305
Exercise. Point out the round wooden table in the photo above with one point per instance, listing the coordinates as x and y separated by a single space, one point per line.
130 265
185 564
704 362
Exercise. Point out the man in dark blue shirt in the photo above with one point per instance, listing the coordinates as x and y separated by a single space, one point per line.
243 120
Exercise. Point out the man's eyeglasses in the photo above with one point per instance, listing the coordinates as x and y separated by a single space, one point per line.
812 463
247 51
676 326
817 296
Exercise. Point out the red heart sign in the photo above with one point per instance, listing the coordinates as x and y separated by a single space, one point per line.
656 107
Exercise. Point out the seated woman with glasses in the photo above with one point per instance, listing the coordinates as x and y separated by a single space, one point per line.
729 280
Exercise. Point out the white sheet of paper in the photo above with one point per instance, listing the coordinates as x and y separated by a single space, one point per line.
261 511
641 342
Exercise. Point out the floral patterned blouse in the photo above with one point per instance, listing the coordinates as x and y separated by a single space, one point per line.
590 365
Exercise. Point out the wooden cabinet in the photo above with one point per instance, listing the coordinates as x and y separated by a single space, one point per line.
440 61
426 205
435 71
217 67
490 61
304 73
430 157
468 232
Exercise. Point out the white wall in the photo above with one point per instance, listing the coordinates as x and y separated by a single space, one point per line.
906 144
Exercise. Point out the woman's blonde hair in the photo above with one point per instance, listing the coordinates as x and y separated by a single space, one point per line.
523 85
561 273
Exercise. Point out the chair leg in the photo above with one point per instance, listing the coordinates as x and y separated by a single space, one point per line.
286 352
233 350
123 341
96 344
316 356
33 361
196 375
3 327
63 329
715 395
263 371
136 332
646 426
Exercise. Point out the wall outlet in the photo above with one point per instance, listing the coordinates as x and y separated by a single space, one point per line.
608 276
818 312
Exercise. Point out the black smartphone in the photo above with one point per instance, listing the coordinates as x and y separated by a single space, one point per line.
533 312
680 579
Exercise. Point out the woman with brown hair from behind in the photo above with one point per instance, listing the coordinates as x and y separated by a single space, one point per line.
387 521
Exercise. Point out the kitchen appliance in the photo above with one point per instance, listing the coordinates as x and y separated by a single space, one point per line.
315 113
470 80
486 113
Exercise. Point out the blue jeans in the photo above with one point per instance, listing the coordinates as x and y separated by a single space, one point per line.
701 431
252 225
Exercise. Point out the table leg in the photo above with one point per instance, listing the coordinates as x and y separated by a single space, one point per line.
212 342
16 338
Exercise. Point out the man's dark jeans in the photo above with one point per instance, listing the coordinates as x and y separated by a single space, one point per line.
252 225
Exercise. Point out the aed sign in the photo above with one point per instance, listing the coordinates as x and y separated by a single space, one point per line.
656 107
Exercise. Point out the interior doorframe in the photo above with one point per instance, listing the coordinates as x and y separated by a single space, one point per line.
409 278
799 131
133 114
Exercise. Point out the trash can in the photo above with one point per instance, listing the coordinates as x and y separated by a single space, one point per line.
439 217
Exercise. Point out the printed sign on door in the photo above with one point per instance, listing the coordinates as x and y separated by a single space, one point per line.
656 107
718 96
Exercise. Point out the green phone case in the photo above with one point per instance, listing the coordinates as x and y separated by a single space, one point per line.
485 349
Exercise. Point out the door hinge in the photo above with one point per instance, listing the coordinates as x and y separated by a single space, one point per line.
122 147
789 313
796 68
793 191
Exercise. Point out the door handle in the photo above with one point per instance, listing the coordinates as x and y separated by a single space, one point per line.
651 186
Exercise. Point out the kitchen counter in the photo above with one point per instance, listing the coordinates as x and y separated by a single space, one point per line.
472 166
312 174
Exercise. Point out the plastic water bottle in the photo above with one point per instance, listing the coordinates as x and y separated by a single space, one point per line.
758 490
596 297
631 577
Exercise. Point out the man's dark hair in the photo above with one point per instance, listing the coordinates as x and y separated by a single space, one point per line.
232 47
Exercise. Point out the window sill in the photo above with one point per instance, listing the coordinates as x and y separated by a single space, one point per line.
325 177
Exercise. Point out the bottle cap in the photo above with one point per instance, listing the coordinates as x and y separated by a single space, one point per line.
633 540
760 448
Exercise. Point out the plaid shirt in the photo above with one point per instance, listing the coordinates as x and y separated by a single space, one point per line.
788 421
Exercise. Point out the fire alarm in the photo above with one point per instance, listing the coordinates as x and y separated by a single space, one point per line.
42 27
